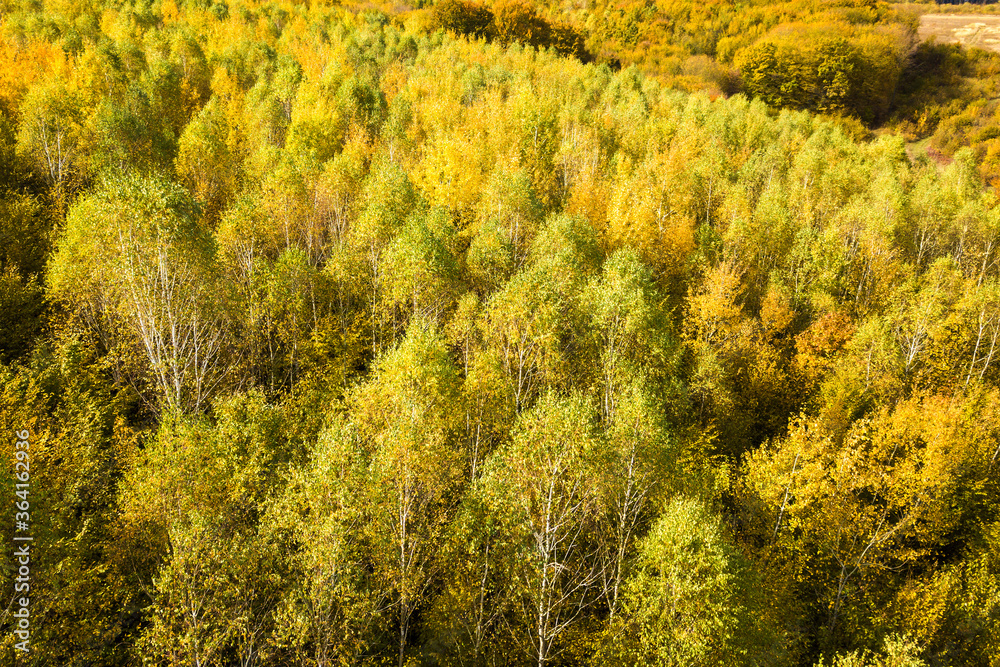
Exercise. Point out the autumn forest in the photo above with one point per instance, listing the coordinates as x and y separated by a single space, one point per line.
613 333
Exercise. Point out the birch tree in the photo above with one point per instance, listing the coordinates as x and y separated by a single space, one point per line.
50 130
691 601
327 613
544 483
407 415
152 270
634 467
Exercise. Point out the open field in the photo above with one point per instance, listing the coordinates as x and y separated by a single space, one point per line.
977 30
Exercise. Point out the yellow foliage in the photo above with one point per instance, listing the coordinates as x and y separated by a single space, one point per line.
23 65
645 213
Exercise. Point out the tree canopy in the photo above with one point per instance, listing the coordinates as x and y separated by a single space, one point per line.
346 340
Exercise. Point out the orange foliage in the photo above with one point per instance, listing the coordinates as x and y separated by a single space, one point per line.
817 345
23 65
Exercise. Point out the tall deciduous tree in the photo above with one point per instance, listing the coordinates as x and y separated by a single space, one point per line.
407 415
389 198
51 130
327 613
133 254
691 600
544 482
197 490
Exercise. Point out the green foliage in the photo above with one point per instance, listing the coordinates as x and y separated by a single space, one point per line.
544 485
84 589
802 67
134 259
692 599
508 22
899 652
328 612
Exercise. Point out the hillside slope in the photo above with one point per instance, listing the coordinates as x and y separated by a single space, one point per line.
340 342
